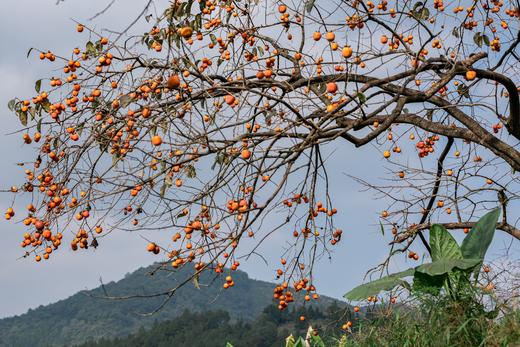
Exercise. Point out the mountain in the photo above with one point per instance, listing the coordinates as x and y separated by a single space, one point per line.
87 315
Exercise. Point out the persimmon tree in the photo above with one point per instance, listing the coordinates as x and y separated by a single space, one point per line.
217 116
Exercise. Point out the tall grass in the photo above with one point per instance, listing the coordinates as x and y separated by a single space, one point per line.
436 323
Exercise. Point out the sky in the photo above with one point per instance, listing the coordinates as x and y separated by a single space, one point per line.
25 284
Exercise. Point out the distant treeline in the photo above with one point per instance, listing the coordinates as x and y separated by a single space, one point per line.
216 328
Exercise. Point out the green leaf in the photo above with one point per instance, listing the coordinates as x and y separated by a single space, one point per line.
382 228
202 4
162 192
427 284
477 38
11 104
362 98
425 13
182 214
322 88
90 48
198 21
46 106
190 171
125 100
486 40
38 85
443 245
420 11
463 90
316 341
289 341
455 32
375 287
444 266
417 5
80 128
300 342
23 117
309 5
115 160
229 345
196 282
32 112
476 243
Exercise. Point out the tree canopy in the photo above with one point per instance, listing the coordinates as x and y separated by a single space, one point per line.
217 117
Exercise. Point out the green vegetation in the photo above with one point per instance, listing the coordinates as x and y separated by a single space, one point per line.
216 328
433 324
451 268
81 316
437 323
447 306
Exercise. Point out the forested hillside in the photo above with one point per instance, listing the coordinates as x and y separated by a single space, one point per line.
86 315
215 329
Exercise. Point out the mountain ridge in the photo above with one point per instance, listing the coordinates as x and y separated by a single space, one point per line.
86 315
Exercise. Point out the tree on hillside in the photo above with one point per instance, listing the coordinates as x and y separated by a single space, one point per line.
221 114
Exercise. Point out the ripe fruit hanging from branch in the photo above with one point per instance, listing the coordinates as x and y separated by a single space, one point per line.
156 140
174 82
211 120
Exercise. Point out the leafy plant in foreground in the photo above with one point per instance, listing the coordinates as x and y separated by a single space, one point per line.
451 267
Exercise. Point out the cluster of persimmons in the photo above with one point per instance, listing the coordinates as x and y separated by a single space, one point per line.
120 103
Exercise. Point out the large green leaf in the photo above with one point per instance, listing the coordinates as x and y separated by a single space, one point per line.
445 266
375 287
427 284
476 243
442 244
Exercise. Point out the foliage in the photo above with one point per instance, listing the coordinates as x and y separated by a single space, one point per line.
448 306
437 323
223 112
82 316
216 328
451 266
